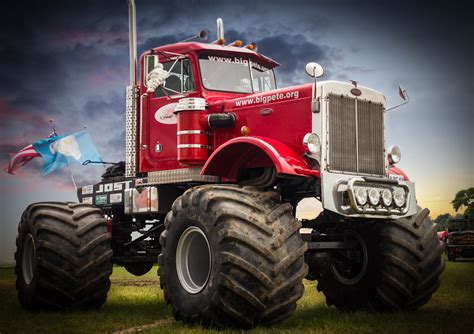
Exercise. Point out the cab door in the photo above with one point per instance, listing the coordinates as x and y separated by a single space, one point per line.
159 120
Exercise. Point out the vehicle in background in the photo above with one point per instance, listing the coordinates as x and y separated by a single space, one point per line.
460 238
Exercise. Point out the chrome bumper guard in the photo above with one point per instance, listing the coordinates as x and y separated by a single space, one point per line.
381 184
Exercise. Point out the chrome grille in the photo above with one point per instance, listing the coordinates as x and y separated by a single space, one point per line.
356 132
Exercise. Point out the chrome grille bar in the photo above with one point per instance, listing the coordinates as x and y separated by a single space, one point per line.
370 138
356 143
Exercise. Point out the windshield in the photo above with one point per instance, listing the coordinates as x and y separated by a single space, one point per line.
232 74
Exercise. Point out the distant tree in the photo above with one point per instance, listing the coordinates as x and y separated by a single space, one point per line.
442 221
464 199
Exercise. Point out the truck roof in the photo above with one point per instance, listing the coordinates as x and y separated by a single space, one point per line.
187 47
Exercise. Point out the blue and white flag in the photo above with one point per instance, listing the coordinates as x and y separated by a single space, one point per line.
60 151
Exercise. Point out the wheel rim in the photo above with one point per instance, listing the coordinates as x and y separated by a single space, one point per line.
28 258
193 260
347 272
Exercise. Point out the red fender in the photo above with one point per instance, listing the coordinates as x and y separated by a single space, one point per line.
398 171
252 151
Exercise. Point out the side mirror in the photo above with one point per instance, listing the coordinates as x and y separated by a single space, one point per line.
314 70
150 62
404 95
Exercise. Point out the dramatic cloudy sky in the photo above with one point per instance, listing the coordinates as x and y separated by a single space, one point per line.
68 61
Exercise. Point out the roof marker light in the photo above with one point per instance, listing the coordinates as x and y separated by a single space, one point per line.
238 43
252 46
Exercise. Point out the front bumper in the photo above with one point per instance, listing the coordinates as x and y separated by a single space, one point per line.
338 196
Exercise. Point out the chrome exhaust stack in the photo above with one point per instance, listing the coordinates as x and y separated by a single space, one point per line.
220 32
132 39
131 96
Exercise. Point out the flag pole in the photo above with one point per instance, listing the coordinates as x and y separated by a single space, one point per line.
67 165
72 177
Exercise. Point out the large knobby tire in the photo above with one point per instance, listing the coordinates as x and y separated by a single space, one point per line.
404 267
63 257
244 264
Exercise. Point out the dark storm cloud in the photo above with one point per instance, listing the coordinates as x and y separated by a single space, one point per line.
68 60
296 51
96 106
153 42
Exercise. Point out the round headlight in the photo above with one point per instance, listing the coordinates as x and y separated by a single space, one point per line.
394 155
360 195
399 197
386 197
374 196
312 143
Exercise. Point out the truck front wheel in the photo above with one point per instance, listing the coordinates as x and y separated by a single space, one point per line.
63 257
231 257
404 267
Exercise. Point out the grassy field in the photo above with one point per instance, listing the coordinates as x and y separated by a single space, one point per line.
136 304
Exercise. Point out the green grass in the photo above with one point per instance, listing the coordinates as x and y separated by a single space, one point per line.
134 302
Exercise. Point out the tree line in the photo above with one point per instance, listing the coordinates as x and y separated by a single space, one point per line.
463 201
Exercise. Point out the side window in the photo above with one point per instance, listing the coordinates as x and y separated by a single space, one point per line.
180 81
263 81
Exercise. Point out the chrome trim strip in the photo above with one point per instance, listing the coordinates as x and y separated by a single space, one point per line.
145 95
179 175
357 135
192 132
192 146
190 103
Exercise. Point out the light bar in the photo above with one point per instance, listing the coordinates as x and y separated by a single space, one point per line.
378 198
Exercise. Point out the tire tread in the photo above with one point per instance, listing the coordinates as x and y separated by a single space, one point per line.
73 262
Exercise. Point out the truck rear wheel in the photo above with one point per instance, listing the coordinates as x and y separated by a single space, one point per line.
404 268
63 257
231 257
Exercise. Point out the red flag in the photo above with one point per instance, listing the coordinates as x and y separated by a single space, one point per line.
21 158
